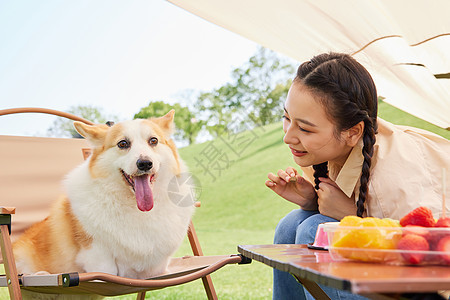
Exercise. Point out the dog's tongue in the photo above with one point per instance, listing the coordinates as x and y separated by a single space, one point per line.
144 196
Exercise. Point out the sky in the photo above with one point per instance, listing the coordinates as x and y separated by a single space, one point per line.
112 54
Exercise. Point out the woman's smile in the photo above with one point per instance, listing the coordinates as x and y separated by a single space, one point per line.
297 152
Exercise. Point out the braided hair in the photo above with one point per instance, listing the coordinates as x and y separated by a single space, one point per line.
347 92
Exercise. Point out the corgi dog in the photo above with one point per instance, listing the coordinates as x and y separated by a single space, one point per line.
118 215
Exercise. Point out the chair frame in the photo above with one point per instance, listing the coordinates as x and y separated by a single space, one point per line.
14 281
7 253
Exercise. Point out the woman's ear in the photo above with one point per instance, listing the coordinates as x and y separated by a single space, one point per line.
353 134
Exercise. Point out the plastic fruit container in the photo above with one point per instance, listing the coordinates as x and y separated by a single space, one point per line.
389 245
321 238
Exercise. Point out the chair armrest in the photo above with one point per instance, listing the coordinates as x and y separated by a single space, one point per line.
7 210
5 216
152 283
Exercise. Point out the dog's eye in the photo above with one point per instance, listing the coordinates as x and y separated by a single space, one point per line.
123 144
153 141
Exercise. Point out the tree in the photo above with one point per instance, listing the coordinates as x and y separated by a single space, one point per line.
217 109
62 127
262 84
187 126
257 92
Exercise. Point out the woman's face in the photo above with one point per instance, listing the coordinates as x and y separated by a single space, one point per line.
308 131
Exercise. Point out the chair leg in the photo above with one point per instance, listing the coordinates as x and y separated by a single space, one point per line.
209 288
9 263
193 240
197 250
140 296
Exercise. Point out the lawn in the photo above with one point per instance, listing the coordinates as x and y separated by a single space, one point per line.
237 208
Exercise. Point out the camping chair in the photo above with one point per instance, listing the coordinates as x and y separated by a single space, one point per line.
31 172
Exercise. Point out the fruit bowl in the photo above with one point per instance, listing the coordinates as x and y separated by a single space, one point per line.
370 242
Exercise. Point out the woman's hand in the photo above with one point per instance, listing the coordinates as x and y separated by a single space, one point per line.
332 200
293 187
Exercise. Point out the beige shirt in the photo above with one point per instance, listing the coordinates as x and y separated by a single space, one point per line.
406 172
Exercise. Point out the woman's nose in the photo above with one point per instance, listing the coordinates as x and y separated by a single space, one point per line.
289 136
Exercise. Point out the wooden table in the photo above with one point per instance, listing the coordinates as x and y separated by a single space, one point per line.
376 281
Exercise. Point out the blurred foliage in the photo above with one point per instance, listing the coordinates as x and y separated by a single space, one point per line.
186 123
63 127
254 96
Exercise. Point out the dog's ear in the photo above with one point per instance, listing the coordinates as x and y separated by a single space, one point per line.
166 122
93 133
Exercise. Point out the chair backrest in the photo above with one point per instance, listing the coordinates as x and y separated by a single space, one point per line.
31 173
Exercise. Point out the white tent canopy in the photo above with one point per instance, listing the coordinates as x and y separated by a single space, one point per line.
405 44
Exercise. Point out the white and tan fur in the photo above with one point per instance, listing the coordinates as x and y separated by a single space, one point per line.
98 226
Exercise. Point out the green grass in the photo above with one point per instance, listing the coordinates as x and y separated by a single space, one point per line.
399 117
237 208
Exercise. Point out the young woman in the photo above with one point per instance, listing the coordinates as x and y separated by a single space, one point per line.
352 162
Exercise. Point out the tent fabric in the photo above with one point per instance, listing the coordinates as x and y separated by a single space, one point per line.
404 44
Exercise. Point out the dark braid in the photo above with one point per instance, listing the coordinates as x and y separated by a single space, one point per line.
320 170
347 92
367 151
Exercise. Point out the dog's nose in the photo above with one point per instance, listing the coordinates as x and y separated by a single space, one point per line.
144 164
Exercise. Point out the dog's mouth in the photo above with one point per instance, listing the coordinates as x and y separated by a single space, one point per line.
142 190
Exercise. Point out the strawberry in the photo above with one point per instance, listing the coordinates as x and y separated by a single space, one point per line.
414 229
444 246
413 245
421 216
443 222
439 233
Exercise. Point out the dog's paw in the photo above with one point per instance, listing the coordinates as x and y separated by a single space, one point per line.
41 273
